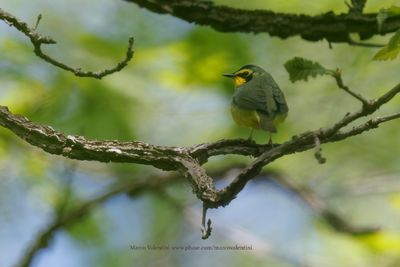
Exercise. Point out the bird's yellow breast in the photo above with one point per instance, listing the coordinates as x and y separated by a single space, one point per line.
245 117
250 118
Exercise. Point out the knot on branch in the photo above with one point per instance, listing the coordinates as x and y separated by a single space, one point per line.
318 150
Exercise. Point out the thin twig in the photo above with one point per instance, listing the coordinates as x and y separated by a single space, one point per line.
331 217
37 22
338 77
68 175
370 124
37 40
74 215
205 229
43 239
363 44
351 41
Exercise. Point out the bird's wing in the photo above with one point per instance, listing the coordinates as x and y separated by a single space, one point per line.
262 94
276 103
279 99
251 95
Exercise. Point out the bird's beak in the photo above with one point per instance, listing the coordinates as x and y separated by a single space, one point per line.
229 75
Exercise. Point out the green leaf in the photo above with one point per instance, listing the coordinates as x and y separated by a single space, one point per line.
385 13
394 42
391 50
300 69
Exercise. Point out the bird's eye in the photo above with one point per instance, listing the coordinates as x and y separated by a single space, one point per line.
244 74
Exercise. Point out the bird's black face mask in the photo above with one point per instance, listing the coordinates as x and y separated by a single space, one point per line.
247 75
241 76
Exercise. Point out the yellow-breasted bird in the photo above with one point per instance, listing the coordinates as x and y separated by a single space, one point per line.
258 102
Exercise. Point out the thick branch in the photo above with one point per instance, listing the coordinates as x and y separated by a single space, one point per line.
37 40
188 160
244 147
77 147
329 26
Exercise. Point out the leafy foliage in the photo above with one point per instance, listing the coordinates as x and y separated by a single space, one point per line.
386 13
391 50
301 69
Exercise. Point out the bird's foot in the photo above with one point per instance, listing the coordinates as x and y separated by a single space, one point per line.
251 140
270 142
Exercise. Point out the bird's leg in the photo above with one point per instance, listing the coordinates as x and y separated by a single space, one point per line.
270 141
250 138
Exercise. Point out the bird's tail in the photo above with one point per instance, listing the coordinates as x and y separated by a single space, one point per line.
267 123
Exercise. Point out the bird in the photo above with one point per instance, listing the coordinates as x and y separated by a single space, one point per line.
257 102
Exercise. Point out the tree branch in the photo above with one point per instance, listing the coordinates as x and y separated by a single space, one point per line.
300 143
338 77
77 147
44 237
205 229
329 26
362 44
369 125
37 40
188 160
331 217
133 187
62 220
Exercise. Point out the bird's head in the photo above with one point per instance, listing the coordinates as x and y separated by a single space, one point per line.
244 74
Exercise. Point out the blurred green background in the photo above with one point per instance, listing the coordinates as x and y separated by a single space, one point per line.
172 93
